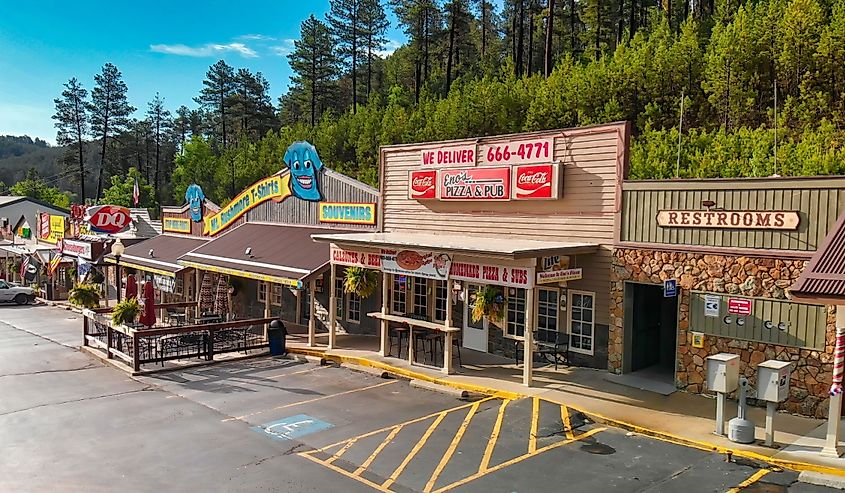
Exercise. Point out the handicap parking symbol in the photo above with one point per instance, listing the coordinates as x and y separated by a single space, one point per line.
292 427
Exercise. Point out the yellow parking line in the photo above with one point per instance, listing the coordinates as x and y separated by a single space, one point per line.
567 425
494 437
751 480
518 459
389 438
451 450
342 451
346 473
414 451
535 420
312 400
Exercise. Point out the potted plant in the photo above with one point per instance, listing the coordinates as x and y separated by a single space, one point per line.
360 281
85 295
126 312
489 302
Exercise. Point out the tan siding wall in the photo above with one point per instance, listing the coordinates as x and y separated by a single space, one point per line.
585 213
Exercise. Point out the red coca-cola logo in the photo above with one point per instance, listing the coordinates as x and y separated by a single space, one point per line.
536 179
422 185
535 182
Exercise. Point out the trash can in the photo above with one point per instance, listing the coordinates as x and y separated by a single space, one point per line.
276 337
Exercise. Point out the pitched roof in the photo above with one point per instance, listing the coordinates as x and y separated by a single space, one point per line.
824 278
159 253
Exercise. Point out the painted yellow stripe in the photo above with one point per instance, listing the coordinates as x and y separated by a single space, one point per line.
312 400
517 460
346 473
284 281
143 268
342 451
535 421
389 438
751 480
567 424
414 451
451 450
494 437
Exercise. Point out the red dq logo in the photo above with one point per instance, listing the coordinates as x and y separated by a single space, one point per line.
108 218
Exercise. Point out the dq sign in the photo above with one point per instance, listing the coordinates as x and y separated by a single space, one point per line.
108 218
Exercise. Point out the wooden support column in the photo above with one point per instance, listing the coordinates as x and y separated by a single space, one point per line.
528 346
834 418
449 335
197 292
267 305
312 317
332 307
384 325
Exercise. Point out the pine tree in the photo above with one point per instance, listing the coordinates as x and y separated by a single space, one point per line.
215 97
250 104
182 125
109 111
314 65
458 20
421 21
161 123
344 18
374 24
72 123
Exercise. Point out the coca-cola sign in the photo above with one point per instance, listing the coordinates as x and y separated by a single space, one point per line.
108 218
422 185
536 181
474 184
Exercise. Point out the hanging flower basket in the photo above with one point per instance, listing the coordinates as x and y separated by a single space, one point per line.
126 312
489 302
85 295
360 281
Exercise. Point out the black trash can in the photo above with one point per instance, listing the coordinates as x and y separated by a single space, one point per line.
276 336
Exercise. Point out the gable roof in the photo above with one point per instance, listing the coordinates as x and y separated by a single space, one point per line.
823 280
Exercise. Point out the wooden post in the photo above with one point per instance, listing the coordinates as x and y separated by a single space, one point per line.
332 307
267 305
84 330
385 301
449 335
197 293
297 313
528 341
312 318
109 340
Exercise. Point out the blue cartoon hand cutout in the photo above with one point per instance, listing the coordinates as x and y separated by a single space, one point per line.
194 197
304 164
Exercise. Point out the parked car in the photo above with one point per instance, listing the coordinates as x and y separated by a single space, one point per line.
21 295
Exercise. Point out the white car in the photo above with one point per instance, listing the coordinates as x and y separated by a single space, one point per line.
18 294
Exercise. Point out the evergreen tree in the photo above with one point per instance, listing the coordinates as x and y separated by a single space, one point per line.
72 123
345 20
109 111
182 125
216 97
251 106
314 65
374 24
160 121
458 20
420 20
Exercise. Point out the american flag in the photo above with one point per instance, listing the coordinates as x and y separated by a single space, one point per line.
136 193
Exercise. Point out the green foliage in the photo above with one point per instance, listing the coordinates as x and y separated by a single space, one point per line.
360 281
121 189
85 295
488 303
126 311
35 187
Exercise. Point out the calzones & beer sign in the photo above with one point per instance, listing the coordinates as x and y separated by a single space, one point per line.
108 218
775 220
474 184
536 181
422 185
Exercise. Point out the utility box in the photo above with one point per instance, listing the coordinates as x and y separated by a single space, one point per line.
723 372
773 380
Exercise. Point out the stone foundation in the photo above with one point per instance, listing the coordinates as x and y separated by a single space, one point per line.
744 276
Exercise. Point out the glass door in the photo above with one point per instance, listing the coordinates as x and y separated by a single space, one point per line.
475 333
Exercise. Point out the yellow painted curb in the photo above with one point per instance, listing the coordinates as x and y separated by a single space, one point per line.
659 435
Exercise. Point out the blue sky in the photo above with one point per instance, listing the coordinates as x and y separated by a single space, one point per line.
158 45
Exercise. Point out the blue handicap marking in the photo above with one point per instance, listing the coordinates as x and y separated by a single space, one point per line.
292 427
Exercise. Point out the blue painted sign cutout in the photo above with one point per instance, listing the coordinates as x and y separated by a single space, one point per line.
292 427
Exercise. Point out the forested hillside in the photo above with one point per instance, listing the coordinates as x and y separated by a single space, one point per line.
758 85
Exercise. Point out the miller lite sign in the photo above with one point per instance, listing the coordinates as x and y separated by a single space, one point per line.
536 182
108 218
422 185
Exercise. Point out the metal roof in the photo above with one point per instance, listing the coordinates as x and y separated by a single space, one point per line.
824 278
165 250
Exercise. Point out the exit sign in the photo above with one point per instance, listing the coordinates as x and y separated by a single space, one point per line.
739 306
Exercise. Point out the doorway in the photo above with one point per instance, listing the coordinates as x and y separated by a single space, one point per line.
652 328
475 333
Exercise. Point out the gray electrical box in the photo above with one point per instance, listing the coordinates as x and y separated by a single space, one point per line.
723 372
773 380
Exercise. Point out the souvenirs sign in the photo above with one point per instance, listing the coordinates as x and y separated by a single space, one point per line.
474 184
276 187
526 151
499 275
355 258
422 185
347 213
561 275
536 181
176 224
428 265
773 220
459 155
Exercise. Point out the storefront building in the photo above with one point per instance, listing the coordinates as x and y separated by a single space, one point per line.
522 222
706 266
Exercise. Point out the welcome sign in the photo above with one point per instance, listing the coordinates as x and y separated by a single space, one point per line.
275 187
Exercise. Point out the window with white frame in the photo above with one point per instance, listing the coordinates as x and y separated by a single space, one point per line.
276 294
420 297
441 297
353 308
547 315
398 294
581 321
515 327
179 285
339 295
262 292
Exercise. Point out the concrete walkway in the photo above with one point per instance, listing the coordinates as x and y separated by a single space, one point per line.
679 417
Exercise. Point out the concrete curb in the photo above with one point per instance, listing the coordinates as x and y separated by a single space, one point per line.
818 479
598 418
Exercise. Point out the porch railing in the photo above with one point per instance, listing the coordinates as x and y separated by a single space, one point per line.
144 346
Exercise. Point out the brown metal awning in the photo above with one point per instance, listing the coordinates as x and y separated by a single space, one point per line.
279 253
823 281
159 254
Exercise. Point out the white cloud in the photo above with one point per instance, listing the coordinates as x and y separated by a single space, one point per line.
389 47
283 49
206 50
256 37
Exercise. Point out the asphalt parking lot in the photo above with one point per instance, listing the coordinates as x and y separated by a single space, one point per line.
68 423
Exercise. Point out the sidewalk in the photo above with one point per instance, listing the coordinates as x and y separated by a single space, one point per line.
679 417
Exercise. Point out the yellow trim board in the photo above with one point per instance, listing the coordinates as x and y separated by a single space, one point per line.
284 281
140 267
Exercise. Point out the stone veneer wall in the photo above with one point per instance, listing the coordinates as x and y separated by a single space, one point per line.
746 276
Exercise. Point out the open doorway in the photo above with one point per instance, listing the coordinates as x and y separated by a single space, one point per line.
651 322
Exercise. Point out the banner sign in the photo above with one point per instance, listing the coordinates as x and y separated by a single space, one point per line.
80 249
427 265
739 306
475 184
164 284
527 151
347 213
421 185
537 181
108 219
352 258
774 220
51 228
460 155
176 224
516 277
562 275
275 187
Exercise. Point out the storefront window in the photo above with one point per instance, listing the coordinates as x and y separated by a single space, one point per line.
516 312
581 322
179 285
276 294
306 308
339 295
420 297
440 299
262 292
547 315
354 308
398 294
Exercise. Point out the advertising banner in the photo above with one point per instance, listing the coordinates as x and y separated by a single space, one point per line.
427 265
526 151
80 249
559 275
354 258
474 184
536 182
275 187
51 228
164 284
176 224
422 185
459 155
347 213
499 275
